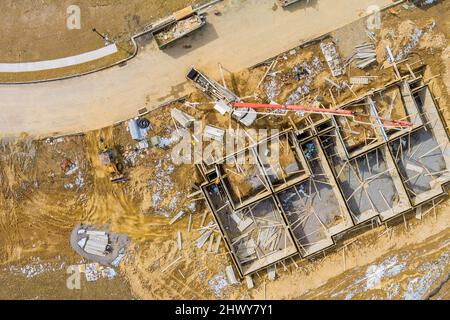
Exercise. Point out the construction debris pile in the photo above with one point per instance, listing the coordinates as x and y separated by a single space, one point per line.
332 58
178 29
260 236
406 39
306 72
207 235
95 271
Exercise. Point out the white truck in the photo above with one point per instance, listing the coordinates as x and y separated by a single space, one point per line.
223 97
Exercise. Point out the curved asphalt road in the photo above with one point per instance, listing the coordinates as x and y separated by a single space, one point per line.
246 33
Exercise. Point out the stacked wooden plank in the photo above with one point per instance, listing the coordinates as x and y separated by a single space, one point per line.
96 243
363 55
359 80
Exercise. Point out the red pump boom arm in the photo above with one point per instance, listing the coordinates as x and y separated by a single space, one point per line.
339 112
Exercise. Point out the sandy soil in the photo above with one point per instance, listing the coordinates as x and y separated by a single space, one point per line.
41 200
40 204
379 265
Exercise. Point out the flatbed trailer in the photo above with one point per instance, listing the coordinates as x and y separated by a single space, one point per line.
177 26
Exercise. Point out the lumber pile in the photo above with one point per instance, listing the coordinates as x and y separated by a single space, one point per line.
242 224
268 238
246 251
95 243
363 55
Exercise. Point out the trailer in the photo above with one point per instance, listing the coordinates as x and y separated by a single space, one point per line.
285 3
177 26
223 97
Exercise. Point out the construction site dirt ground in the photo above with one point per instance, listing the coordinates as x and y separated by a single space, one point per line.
41 201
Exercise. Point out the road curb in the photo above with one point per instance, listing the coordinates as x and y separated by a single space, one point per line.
146 30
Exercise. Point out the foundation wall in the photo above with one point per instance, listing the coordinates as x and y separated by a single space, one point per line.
307 204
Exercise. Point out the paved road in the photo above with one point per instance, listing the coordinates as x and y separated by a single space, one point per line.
247 32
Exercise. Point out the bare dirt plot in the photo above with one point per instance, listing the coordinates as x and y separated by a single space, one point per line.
199 274
37 30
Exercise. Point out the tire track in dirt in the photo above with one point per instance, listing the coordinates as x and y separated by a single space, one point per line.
109 204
